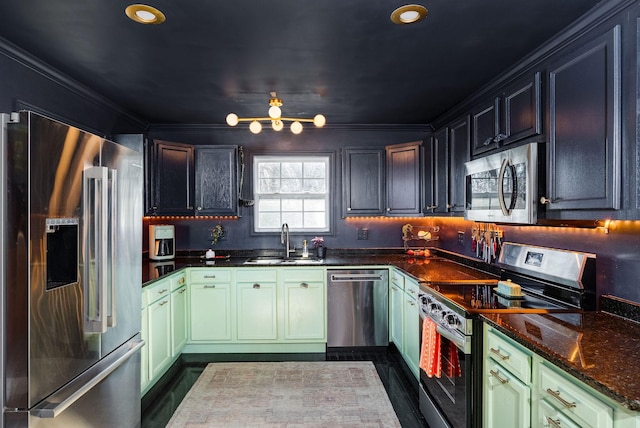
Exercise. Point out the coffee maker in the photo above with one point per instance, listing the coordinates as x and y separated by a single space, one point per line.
161 242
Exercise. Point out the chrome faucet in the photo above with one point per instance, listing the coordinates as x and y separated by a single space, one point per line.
284 240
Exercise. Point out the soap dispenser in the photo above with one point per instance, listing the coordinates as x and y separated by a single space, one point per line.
305 249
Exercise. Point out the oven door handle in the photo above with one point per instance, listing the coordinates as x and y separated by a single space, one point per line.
462 343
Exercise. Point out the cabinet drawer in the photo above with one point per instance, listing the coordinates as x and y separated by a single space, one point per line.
411 288
157 291
510 357
256 275
573 400
210 275
397 279
302 274
178 280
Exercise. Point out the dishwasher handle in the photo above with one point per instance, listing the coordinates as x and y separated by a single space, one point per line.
356 277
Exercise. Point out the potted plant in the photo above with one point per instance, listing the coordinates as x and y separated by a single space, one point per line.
318 244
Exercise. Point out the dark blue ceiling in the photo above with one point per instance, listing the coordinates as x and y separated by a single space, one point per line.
342 58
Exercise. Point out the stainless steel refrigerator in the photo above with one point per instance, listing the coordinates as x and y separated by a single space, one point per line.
71 271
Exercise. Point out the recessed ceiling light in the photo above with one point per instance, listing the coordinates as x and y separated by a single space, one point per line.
409 14
143 14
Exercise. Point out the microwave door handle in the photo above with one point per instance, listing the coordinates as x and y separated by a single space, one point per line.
112 236
503 206
95 217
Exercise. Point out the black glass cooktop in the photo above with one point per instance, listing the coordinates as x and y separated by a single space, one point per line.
477 298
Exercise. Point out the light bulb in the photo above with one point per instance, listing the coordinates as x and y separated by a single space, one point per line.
277 125
255 127
275 112
296 127
319 120
232 119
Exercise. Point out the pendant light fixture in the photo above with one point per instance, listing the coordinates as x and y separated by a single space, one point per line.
275 118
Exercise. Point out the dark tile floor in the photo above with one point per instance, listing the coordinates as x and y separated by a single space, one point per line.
159 404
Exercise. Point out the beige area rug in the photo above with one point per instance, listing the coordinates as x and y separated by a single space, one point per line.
287 394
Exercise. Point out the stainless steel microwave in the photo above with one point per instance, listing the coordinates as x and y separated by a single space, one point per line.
503 187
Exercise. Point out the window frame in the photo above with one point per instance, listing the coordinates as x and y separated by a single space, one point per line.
328 157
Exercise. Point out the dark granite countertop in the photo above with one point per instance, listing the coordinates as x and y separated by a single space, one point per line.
441 266
599 349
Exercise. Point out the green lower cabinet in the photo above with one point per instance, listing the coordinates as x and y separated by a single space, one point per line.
210 312
411 332
159 335
396 318
256 311
506 399
305 311
178 320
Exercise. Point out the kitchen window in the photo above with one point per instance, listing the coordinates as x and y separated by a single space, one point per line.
292 190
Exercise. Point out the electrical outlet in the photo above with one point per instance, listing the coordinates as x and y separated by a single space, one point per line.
363 233
460 238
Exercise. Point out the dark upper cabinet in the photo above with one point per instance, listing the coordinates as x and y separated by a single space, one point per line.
363 182
440 172
584 142
216 180
486 126
172 181
459 136
403 179
444 170
512 116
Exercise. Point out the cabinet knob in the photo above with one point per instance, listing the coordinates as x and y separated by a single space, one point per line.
349 209
545 201
304 285
256 286
190 208
389 209
199 208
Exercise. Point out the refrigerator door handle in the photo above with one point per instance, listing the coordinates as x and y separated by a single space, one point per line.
65 397
96 215
113 221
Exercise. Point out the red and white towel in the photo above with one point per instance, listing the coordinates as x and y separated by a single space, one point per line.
430 360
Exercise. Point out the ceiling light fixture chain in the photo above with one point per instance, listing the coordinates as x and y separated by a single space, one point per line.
276 119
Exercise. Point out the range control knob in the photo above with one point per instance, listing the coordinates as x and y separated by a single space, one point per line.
435 307
451 320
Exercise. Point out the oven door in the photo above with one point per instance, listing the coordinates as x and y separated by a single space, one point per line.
445 401
503 187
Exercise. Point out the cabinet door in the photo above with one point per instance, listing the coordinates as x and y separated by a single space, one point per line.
485 126
173 179
523 110
411 334
397 318
428 176
256 315
178 320
363 182
458 155
506 400
305 311
585 126
210 312
440 141
216 181
159 336
403 179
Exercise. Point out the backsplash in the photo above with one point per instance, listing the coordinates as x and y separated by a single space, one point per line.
618 251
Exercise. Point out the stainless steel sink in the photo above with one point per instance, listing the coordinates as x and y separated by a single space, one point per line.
270 260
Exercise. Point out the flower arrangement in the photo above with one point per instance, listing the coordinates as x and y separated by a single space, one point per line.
216 234
318 241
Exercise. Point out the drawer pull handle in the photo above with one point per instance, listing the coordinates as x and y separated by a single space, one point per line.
553 423
164 302
256 285
181 280
209 286
497 352
497 376
556 395
162 291
304 285
183 290
209 276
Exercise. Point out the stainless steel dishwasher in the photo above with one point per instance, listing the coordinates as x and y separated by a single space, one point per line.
357 308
